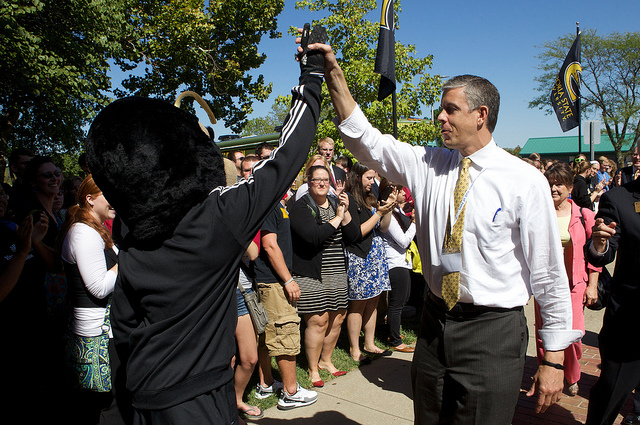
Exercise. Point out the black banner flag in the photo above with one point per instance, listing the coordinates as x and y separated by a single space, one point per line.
386 55
565 94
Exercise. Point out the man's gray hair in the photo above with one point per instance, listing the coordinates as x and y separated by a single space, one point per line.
478 91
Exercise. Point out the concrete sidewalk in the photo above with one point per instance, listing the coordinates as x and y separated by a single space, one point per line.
380 393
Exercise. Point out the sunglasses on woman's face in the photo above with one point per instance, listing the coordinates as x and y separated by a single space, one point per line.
50 174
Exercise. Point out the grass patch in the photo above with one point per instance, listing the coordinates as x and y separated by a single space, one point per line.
341 359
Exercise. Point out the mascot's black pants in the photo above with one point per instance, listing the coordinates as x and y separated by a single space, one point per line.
216 407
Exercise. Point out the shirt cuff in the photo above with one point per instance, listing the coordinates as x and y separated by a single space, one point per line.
354 125
557 340
596 253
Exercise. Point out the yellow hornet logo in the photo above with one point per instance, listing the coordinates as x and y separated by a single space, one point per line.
572 80
386 20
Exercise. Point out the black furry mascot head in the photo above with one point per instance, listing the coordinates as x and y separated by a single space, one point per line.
153 163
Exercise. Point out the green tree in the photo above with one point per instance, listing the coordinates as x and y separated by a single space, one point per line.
610 81
56 56
514 151
347 22
53 73
267 125
184 46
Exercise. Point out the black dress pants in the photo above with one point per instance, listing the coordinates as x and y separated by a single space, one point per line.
468 364
608 395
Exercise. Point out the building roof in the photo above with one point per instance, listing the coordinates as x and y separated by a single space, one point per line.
568 145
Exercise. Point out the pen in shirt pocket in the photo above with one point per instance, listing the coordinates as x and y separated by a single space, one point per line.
496 213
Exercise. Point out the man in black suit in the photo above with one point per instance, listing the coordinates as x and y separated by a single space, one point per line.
326 149
617 230
632 172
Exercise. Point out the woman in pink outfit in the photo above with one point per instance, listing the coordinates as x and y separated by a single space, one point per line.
575 225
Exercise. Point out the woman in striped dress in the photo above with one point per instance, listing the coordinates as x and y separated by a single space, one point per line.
318 225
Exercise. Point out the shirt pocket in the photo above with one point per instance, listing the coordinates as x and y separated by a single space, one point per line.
493 228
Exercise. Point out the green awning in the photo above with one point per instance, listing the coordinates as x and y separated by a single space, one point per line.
568 145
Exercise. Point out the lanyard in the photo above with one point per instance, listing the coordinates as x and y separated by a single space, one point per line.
466 194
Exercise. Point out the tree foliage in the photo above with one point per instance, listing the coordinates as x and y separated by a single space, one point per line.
354 39
610 81
267 125
514 151
57 54
183 46
53 73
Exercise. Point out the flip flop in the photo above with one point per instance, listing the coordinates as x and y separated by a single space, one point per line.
255 409
384 353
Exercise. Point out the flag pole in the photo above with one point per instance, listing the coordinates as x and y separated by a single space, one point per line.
386 58
395 115
578 100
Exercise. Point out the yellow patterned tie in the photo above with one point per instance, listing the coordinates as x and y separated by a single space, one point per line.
453 238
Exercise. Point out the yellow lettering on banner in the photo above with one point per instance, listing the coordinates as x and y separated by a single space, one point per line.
558 88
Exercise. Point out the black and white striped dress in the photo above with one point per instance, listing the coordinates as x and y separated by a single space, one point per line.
330 293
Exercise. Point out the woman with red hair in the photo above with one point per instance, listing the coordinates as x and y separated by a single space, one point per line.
90 263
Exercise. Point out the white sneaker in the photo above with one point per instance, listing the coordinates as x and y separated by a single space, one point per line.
302 397
264 392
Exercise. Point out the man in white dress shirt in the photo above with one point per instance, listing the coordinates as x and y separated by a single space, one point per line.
469 357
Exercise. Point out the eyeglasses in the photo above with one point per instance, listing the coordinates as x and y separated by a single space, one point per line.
50 174
318 181
578 160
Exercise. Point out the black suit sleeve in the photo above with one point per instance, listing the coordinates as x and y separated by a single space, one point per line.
339 174
607 210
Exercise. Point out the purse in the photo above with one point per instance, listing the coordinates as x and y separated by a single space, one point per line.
258 314
89 358
604 281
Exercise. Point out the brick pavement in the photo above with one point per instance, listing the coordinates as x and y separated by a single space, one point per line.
569 410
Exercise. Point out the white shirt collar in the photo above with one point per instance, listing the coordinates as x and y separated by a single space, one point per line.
483 157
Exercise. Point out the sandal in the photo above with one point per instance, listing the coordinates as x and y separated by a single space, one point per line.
257 413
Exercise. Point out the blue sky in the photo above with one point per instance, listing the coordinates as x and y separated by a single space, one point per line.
493 39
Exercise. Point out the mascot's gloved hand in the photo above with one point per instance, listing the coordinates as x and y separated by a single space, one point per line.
312 61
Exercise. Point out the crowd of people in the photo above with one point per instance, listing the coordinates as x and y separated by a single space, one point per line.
59 269
323 257
134 313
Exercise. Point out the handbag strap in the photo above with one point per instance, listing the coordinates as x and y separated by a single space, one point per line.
106 326
241 288
250 274
584 226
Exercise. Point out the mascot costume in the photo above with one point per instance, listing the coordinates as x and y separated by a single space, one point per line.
174 305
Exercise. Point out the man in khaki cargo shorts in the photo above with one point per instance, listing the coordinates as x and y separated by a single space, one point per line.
279 294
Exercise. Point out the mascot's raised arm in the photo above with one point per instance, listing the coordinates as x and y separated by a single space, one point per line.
173 310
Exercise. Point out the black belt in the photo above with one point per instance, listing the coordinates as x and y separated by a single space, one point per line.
465 308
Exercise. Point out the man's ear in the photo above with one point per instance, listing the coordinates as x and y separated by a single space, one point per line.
483 113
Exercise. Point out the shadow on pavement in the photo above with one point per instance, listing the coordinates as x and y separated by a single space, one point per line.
320 418
390 374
